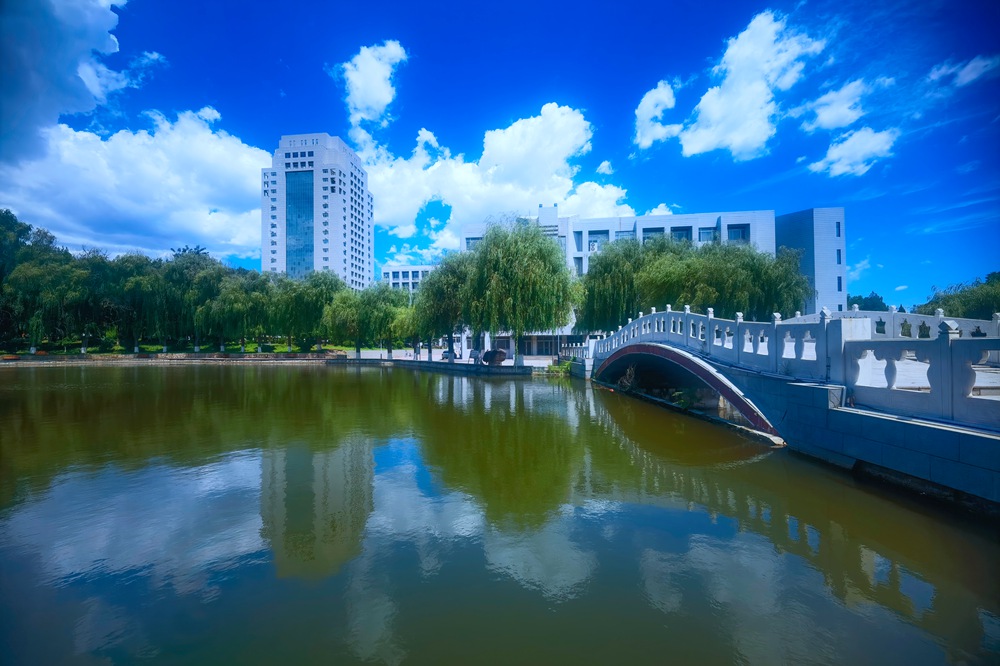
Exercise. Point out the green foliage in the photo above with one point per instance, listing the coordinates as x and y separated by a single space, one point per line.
872 302
628 277
380 306
342 318
47 294
519 281
610 290
297 305
978 299
440 302
730 278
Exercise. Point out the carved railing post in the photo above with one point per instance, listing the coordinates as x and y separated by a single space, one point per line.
687 325
937 355
710 332
822 344
738 339
775 345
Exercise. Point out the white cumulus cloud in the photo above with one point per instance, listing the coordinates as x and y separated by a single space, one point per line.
661 209
179 182
902 287
649 114
525 164
531 161
854 153
368 77
51 54
739 114
838 108
528 163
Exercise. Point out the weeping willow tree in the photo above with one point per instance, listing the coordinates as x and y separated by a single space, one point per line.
440 302
729 278
519 282
610 292
976 300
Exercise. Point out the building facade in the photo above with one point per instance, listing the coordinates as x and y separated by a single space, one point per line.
406 277
580 238
316 211
818 234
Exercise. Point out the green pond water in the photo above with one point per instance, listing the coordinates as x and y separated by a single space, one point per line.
309 514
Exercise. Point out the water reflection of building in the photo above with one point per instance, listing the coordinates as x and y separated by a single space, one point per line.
314 506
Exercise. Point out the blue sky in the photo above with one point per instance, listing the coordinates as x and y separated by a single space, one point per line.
143 126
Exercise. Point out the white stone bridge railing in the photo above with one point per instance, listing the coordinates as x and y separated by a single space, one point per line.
936 355
893 324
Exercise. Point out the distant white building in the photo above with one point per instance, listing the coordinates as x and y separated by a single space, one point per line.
316 210
406 277
818 233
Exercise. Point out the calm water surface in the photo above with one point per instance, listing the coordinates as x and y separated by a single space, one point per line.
334 515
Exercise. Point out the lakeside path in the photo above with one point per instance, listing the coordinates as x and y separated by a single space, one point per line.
173 358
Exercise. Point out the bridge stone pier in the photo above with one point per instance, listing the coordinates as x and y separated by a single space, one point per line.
913 398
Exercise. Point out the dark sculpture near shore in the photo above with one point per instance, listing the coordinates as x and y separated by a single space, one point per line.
494 357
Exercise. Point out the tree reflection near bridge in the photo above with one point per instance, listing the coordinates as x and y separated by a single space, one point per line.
261 514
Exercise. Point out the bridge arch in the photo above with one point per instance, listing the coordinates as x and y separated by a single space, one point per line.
681 369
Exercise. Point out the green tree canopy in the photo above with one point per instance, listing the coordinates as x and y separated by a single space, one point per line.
519 281
342 318
730 278
380 305
610 291
979 299
440 303
872 302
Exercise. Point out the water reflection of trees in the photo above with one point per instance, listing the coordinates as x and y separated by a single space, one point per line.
521 450
60 417
525 450
515 459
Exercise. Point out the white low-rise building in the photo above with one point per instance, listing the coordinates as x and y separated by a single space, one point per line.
405 276
818 233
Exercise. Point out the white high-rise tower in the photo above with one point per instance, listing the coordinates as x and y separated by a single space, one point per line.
316 211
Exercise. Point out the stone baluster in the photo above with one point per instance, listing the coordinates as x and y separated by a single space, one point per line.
710 333
775 344
890 371
892 326
739 338
687 325
822 343
960 375
800 344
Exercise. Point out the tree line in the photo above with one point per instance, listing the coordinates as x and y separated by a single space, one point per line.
978 299
514 281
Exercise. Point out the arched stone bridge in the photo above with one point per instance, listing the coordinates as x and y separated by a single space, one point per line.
903 393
